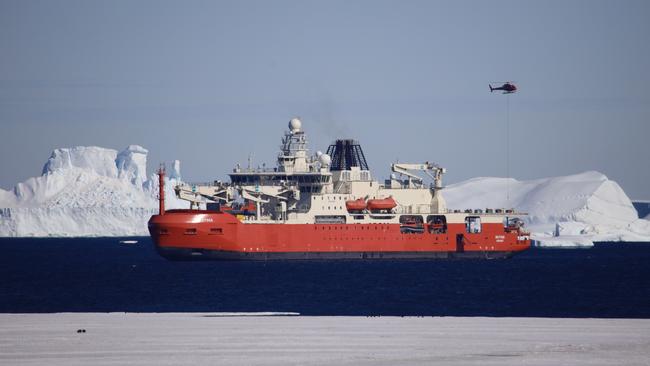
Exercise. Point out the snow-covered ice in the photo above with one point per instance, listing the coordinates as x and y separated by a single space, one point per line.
573 210
93 191
212 339
87 191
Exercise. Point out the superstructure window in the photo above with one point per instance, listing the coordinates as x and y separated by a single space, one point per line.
329 219
473 224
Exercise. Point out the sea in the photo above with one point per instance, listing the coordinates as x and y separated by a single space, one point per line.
610 280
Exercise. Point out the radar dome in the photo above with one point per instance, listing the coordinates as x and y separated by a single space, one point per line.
325 159
295 124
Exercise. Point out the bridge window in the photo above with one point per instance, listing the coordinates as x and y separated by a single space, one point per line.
473 224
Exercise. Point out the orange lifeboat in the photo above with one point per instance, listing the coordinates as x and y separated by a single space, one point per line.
356 205
382 204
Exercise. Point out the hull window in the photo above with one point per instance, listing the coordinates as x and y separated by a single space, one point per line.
437 224
411 224
473 224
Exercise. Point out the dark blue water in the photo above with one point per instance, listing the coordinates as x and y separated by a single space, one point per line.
101 275
642 208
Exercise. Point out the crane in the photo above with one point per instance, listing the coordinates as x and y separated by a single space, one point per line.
434 171
415 181
197 194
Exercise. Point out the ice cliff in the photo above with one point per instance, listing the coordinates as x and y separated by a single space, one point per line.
86 191
562 211
93 191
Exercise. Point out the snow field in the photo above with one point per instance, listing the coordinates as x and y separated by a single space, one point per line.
208 339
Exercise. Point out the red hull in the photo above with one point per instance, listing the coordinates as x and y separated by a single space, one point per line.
192 232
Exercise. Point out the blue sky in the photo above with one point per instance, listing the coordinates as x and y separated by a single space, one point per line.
208 82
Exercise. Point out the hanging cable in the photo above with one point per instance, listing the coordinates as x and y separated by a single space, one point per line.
508 150
507 88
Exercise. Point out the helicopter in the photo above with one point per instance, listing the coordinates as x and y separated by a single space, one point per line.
508 88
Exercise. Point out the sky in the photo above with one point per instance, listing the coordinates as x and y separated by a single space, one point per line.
210 82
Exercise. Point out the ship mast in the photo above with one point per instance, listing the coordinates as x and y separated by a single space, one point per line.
293 154
161 189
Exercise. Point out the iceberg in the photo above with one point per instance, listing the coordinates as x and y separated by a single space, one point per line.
573 210
86 191
132 164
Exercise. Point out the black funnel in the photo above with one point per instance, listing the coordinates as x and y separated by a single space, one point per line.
346 154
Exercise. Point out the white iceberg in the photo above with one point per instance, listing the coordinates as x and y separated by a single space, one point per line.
574 210
86 191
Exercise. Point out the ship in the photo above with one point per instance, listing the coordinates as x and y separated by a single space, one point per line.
327 206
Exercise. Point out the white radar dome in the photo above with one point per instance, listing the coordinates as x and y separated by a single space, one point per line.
295 124
325 159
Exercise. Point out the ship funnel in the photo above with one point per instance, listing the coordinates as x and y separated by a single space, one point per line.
346 154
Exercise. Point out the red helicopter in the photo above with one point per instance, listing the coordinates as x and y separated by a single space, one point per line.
507 87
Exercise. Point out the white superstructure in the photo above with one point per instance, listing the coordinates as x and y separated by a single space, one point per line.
306 188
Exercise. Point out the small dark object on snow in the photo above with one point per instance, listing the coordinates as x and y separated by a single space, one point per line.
81 331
